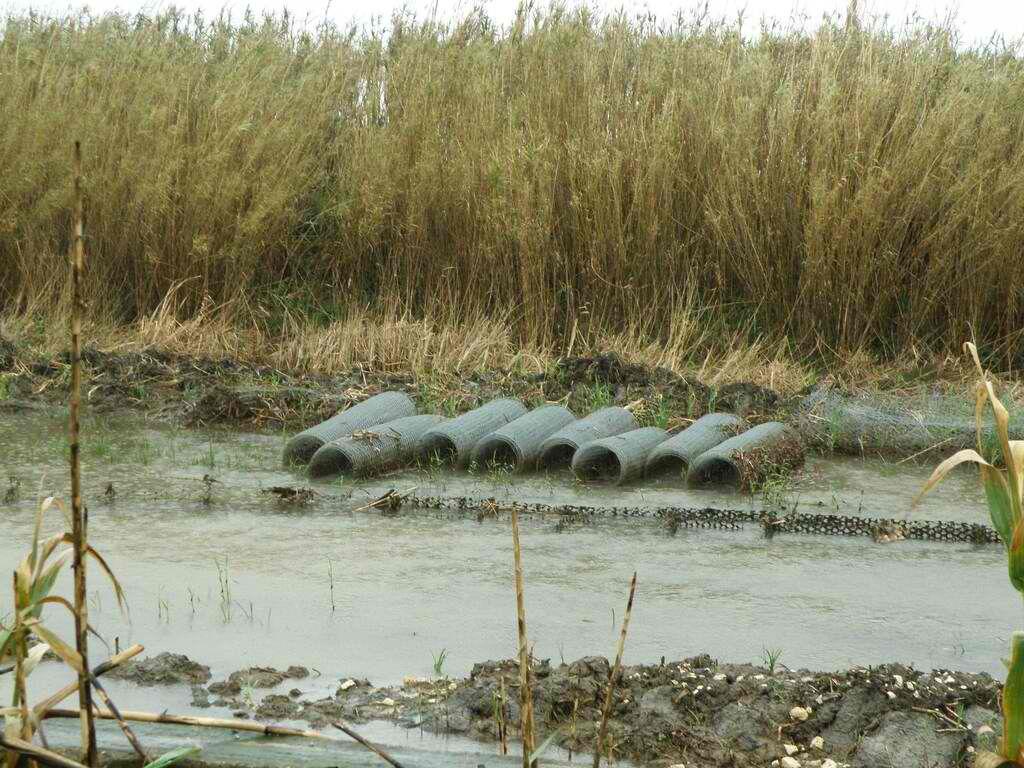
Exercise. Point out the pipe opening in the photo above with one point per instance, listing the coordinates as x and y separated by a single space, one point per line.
557 456
717 472
604 467
441 449
668 464
333 462
499 455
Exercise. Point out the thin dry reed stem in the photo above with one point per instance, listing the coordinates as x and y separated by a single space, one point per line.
525 688
79 516
613 677
370 746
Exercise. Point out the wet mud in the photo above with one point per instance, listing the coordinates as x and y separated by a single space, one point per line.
695 711
200 391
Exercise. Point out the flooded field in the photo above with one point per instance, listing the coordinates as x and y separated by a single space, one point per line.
223 573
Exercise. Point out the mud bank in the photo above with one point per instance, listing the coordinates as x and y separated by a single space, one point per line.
201 391
696 711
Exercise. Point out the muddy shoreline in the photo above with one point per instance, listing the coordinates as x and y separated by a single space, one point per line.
197 391
695 711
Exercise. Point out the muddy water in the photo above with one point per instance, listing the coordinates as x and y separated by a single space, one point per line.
235 579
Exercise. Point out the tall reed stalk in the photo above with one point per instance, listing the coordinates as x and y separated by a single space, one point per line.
79 515
858 184
525 687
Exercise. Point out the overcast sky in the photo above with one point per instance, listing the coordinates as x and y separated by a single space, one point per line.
978 20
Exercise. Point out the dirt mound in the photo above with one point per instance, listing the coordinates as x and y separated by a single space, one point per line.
164 669
256 677
723 714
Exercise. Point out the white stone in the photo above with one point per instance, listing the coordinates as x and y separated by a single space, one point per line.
740 679
348 684
791 749
389 702
799 713
890 694
898 680
789 762
719 676
828 762
985 730
817 743
759 677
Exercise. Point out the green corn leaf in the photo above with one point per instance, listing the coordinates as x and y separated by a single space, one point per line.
172 757
1013 701
1000 509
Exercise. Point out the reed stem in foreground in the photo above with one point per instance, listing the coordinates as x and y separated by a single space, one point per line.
613 677
79 516
526 706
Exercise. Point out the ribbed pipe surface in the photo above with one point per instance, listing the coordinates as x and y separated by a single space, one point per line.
375 410
376 449
618 458
679 451
518 444
747 455
558 450
455 440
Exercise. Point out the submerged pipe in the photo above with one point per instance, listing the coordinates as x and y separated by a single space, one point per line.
618 458
749 457
518 444
679 451
373 411
374 450
558 450
455 440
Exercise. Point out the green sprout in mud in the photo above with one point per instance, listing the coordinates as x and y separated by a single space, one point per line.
439 659
770 657
596 396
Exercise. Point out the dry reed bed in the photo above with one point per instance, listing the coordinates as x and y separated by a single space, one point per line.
567 179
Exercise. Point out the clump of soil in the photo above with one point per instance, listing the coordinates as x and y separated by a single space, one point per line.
706 713
256 677
697 711
164 669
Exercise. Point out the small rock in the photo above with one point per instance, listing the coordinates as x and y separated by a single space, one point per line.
828 762
985 730
799 713
350 683
295 693
817 743
789 762
719 676
388 702
890 694
791 749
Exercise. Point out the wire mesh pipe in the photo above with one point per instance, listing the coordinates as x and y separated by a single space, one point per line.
518 444
679 451
454 441
618 458
749 458
378 409
558 450
371 451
